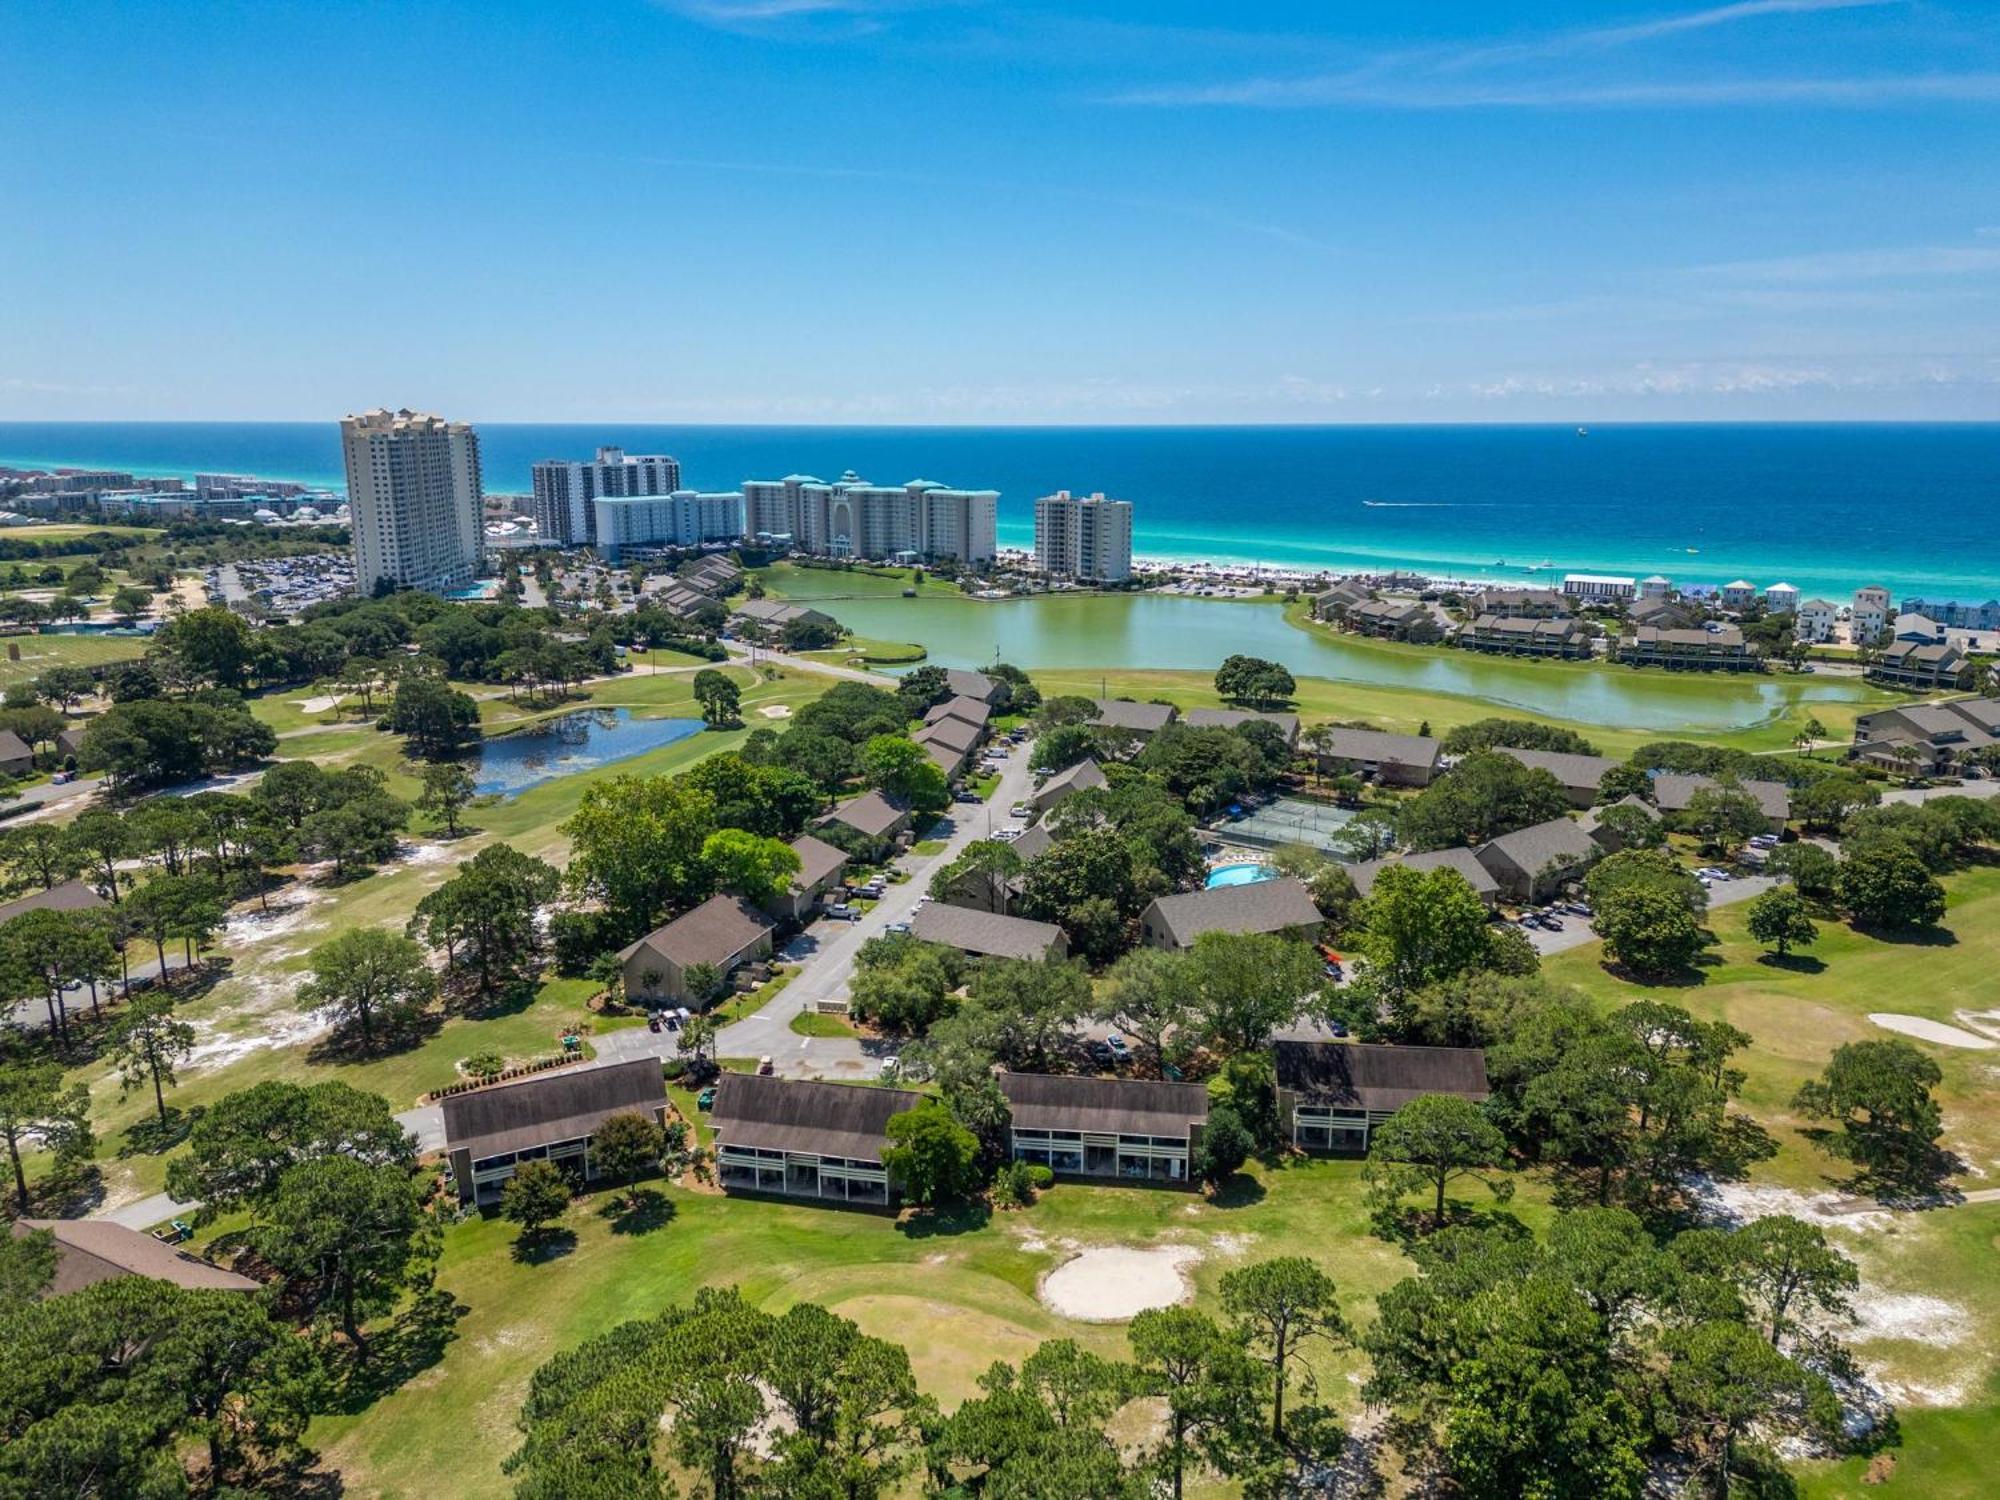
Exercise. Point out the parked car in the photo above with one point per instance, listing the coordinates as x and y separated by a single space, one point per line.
966 796
1018 810
1118 1048
765 1067
840 911
706 1098
1100 1053
897 927
892 1066
653 1021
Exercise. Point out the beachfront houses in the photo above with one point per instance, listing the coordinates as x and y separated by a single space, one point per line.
805 1139
1957 616
1923 665
988 934
1531 864
1719 648
1740 593
548 1116
1599 588
724 933
1581 775
1781 599
1656 586
1816 621
1282 905
1122 1129
1927 737
1527 635
1392 759
1461 860
1332 1095
1869 615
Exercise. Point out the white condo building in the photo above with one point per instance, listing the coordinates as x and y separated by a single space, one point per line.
1084 536
1871 615
686 518
1815 622
853 518
1599 588
414 498
566 492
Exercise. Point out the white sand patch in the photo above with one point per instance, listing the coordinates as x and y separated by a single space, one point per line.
1908 1315
1732 1204
1931 1031
317 705
417 856
1116 1283
776 710
218 1047
289 917
1985 1022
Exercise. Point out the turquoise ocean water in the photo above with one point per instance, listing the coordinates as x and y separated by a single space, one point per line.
1824 507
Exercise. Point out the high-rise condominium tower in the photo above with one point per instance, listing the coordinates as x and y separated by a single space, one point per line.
853 518
1084 536
566 493
414 498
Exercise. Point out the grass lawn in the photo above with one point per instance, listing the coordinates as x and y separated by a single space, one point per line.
812 1023
928 846
957 1300
1947 1374
790 581
862 651
40 652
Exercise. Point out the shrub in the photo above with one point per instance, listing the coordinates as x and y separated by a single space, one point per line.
484 1064
1042 1177
1014 1186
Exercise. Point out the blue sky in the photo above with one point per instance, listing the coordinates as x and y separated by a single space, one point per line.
896 211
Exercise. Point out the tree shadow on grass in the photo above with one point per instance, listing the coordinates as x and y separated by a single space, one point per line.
543 1245
945 1219
346 1045
1405 1226
1691 977
414 1342
1240 1191
639 1211
1793 963
151 1136
1923 1182
1910 937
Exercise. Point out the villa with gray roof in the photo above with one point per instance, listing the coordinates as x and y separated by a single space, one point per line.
1531 864
1280 905
1142 719
1393 620
1236 718
1085 775
1937 736
1462 860
820 865
1127 1129
1392 759
92 1250
967 710
724 932
805 1139
548 1116
1674 791
1722 649
1580 775
1934 665
1526 635
872 815
1332 1095
988 934
964 684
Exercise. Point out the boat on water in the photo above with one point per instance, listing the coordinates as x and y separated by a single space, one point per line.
1583 432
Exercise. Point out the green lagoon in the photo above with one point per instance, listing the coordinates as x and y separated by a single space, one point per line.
1178 633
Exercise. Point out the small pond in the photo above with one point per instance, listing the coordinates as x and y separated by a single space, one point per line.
511 763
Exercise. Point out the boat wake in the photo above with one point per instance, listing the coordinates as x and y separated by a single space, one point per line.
1426 504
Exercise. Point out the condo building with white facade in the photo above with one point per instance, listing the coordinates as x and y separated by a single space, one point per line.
1781 599
1870 616
853 518
686 518
566 492
414 497
1084 536
1599 588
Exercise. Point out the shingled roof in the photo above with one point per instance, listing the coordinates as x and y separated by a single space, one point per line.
971 710
817 860
1115 1106
1342 743
93 1250
871 814
1136 718
1573 771
71 895
713 933
1261 906
1236 718
986 932
1462 860
790 1114
1360 1075
1673 791
559 1105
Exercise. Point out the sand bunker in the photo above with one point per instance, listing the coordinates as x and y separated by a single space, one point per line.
317 705
776 710
1931 1031
1112 1285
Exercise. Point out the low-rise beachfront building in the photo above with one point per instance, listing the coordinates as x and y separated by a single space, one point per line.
1335 602
1531 864
1936 736
1392 620
1525 635
1658 586
1283 905
1392 759
1141 720
1869 616
1464 861
1523 604
875 819
549 1116
1581 775
1599 588
1781 599
1719 650
805 1139
1085 775
1125 1129
92 1250
1921 665
1920 630
1956 615
819 870
1817 621
988 934
1236 718
724 932
1675 791
1332 1095
1740 594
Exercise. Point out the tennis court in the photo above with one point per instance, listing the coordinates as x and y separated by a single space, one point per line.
1287 821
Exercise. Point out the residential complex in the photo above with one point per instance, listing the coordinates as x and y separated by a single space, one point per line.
1085 537
685 518
853 518
566 491
414 498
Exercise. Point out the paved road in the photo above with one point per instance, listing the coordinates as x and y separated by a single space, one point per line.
1986 786
746 655
826 951
1576 930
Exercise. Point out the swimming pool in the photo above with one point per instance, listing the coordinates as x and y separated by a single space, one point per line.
1247 873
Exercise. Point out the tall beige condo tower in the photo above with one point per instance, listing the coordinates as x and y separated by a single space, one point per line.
414 499
1084 536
